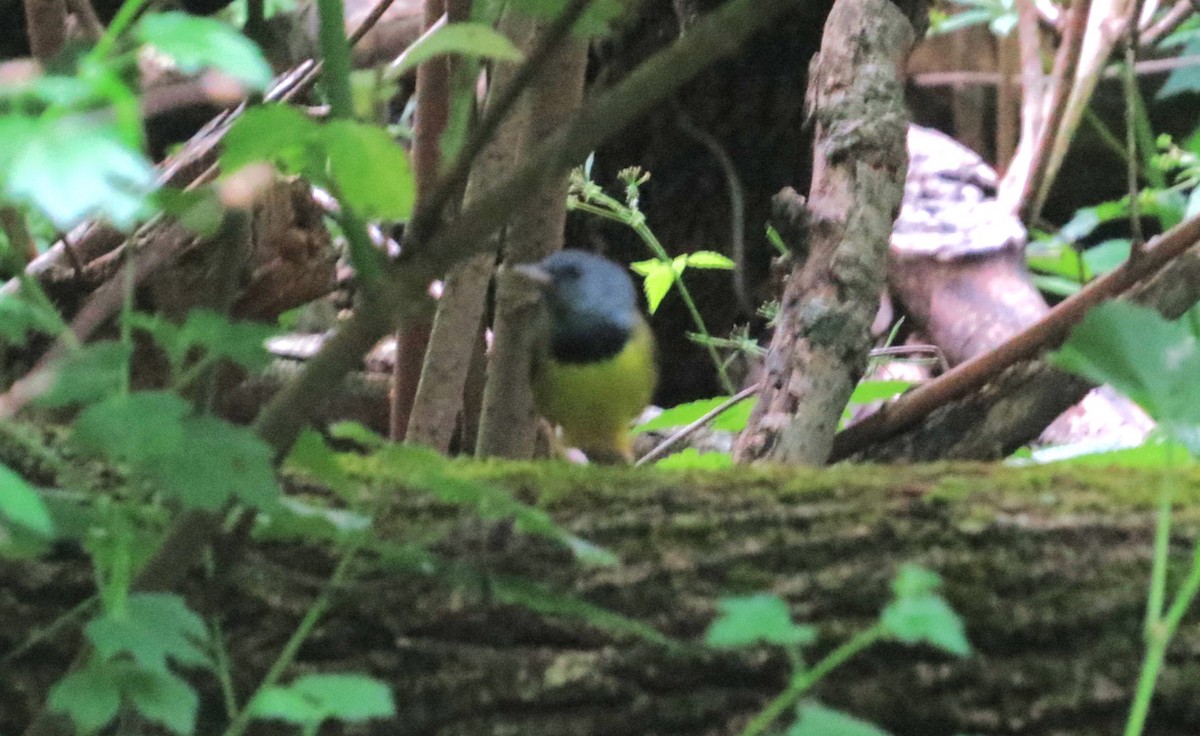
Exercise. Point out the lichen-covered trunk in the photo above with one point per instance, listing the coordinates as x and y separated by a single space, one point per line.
822 338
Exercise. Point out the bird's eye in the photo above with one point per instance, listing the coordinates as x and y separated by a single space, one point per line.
570 272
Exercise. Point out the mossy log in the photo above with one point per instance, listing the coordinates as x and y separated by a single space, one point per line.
1047 566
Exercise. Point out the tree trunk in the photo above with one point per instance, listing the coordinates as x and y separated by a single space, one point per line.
1047 567
822 337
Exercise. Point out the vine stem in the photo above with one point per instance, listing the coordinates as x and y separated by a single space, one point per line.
803 681
297 639
611 209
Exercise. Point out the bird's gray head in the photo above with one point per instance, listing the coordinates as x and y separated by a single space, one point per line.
592 302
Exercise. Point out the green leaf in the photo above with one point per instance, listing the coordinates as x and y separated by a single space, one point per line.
1183 79
90 697
733 419
314 698
817 720
1106 256
709 259
371 171
1152 361
164 698
243 343
89 373
19 317
156 628
293 520
692 459
754 619
275 133
200 460
540 599
310 456
215 463
868 391
474 40
918 614
929 619
141 428
196 43
76 167
656 282
22 505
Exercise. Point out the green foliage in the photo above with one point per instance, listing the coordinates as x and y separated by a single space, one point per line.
658 276
72 168
473 40
999 15
732 419
20 316
22 506
93 695
918 614
692 459
197 43
201 461
757 619
154 629
206 336
814 719
361 164
313 699
1150 360
88 373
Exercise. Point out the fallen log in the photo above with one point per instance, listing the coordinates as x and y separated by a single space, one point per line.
1047 566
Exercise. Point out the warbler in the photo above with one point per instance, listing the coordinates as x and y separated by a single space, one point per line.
594 359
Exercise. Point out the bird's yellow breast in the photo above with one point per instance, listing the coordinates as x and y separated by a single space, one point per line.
594 403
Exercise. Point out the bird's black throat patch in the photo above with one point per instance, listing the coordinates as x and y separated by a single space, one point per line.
597 343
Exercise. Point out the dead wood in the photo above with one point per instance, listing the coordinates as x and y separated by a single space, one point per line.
1047 567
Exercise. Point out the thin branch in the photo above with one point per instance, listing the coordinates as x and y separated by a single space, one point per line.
1044 334
690 429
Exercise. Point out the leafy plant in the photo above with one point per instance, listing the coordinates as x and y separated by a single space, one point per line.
917 614
1153 362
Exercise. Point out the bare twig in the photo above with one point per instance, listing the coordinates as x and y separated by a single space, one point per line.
1133 157
1166 25
668 443
46 21
85 16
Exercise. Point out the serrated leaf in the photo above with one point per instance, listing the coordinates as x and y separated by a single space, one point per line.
692 459
76 167
371 171
474 40
656 285
22 505
708 259
817 720
757 619
275 133
164 698
90 697
215 463
156 629
196 43
88 373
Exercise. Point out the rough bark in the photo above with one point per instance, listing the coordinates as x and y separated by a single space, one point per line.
822 338
1047 567
46 22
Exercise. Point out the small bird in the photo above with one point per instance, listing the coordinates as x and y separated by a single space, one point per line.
593 365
